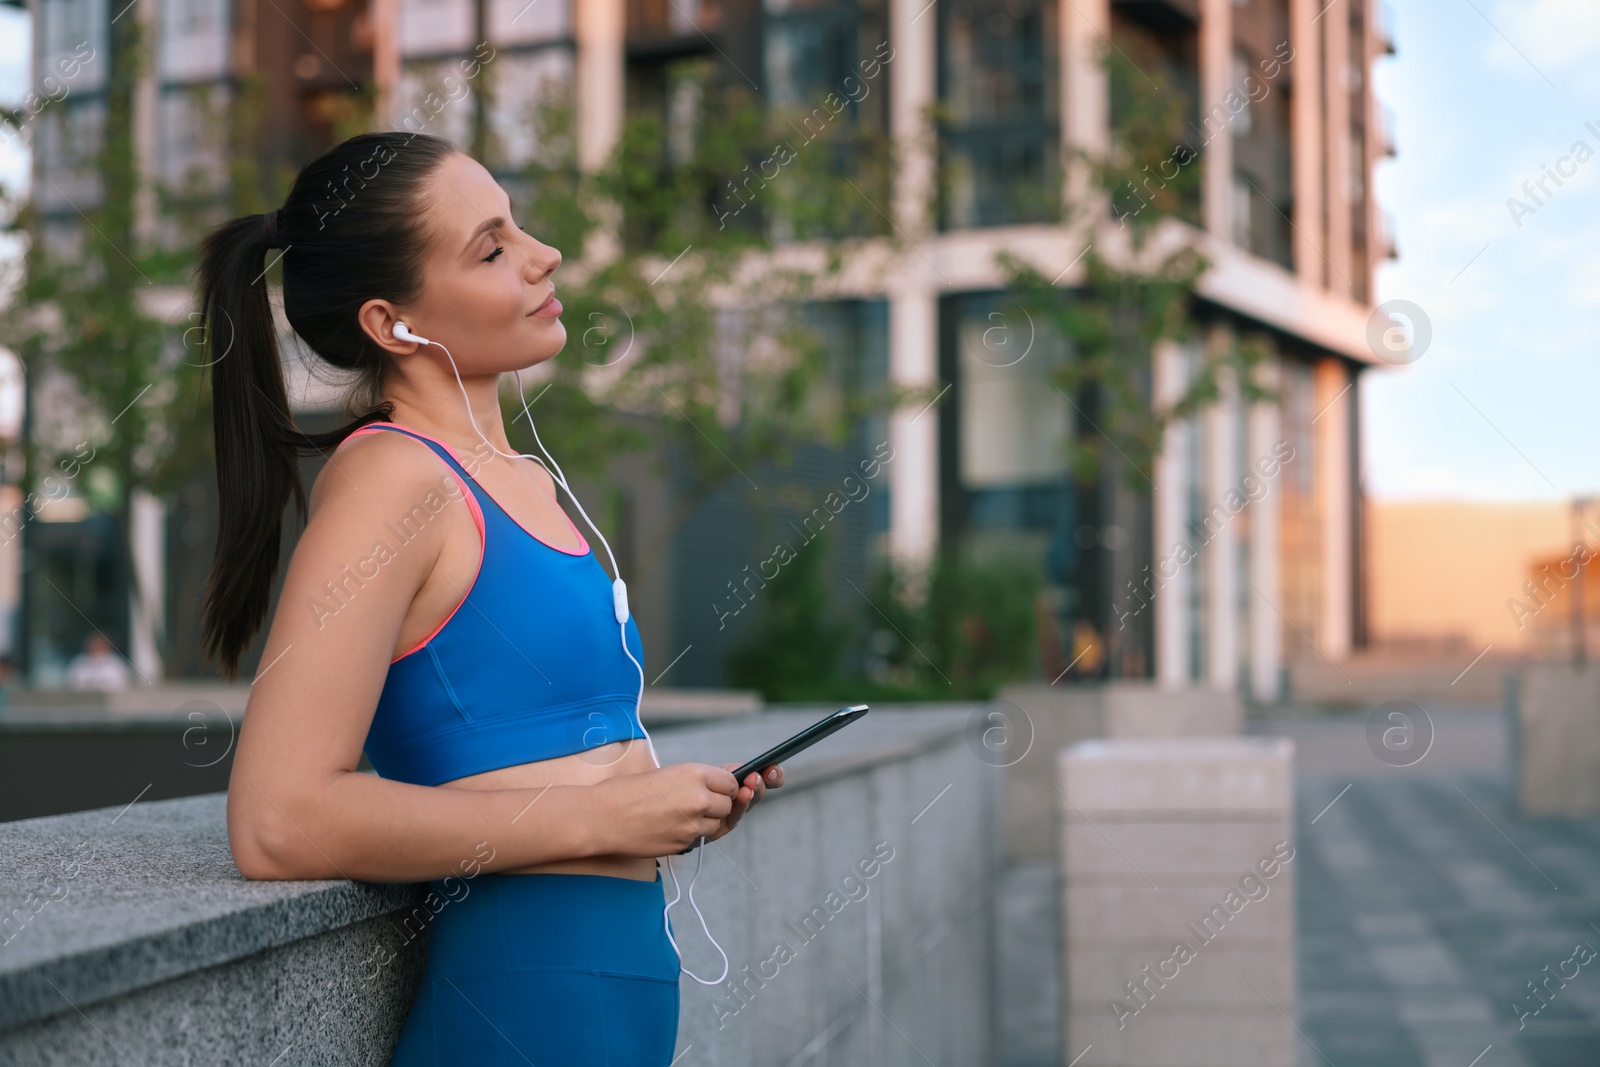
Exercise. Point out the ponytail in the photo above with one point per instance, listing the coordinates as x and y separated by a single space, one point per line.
328 273
257 467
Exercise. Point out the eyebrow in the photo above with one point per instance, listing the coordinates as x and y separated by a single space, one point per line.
496 223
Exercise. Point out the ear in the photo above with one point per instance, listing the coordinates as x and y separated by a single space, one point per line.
377 319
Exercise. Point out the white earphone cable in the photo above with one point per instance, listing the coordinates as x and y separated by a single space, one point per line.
620 601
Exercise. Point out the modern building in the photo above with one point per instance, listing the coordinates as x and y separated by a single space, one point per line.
1454 577
1251 568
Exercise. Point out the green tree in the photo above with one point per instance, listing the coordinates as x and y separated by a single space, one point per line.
956 630
798 643
1135 207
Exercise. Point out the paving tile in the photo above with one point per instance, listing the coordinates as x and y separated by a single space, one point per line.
1428 908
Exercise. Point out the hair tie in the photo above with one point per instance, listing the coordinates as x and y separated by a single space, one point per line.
269 227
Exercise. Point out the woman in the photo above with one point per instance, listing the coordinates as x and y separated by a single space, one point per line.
441 611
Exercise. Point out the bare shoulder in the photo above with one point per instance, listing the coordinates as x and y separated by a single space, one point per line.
374 494
386 471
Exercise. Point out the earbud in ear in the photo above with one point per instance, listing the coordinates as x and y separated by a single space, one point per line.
402 332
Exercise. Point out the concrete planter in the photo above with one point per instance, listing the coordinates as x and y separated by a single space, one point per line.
1178 902
1555 719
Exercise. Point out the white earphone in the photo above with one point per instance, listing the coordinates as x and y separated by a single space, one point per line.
619 608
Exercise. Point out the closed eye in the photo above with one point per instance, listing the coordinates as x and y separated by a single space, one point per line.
492 256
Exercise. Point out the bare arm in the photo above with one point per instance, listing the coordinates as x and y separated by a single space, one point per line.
297 806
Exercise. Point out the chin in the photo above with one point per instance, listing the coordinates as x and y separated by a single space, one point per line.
554 343
547 351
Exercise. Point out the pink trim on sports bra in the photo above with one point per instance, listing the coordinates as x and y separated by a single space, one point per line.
583 542
477 518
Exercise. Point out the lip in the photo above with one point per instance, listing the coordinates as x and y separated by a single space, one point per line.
549 309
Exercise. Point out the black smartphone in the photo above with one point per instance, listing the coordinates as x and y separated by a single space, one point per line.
798 743
802 740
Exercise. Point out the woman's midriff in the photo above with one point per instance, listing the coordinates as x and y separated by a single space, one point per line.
580 768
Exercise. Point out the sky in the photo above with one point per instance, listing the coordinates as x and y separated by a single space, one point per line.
15 41
1501 405
1485 94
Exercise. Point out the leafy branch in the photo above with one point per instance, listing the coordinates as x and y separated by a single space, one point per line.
1139 276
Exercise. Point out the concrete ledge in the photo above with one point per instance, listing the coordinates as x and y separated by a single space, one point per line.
1200 776
103 748
129 898
173 701
1367 678
1556 725
138 700
1139 709
667 707
132 934
322 999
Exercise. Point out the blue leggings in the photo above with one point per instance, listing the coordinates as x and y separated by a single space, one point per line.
554 970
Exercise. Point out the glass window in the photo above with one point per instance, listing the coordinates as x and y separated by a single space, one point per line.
826 80
525 21
1242 85
193 153
673 18
194 39
70 31
997 87
1197 441
1239 209
64 239
815 49
1154 90
522 84
1262 65
431 27
67 137
1300 529
435 97
1014 422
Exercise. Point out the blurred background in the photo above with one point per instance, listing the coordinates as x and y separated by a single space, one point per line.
944 295
1149 368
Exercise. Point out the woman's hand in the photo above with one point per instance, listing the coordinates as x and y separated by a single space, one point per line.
664 810
751 790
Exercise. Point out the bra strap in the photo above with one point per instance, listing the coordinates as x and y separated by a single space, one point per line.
440 449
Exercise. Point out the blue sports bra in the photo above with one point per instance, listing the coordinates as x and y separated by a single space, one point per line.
528 666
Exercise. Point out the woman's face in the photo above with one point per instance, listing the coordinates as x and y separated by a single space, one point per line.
488 294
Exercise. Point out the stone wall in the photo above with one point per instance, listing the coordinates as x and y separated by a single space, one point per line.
132 937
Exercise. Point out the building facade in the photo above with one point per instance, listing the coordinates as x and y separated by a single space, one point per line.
1243 551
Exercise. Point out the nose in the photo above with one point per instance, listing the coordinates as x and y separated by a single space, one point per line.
544 260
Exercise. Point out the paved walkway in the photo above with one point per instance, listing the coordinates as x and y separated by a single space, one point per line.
1426 907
